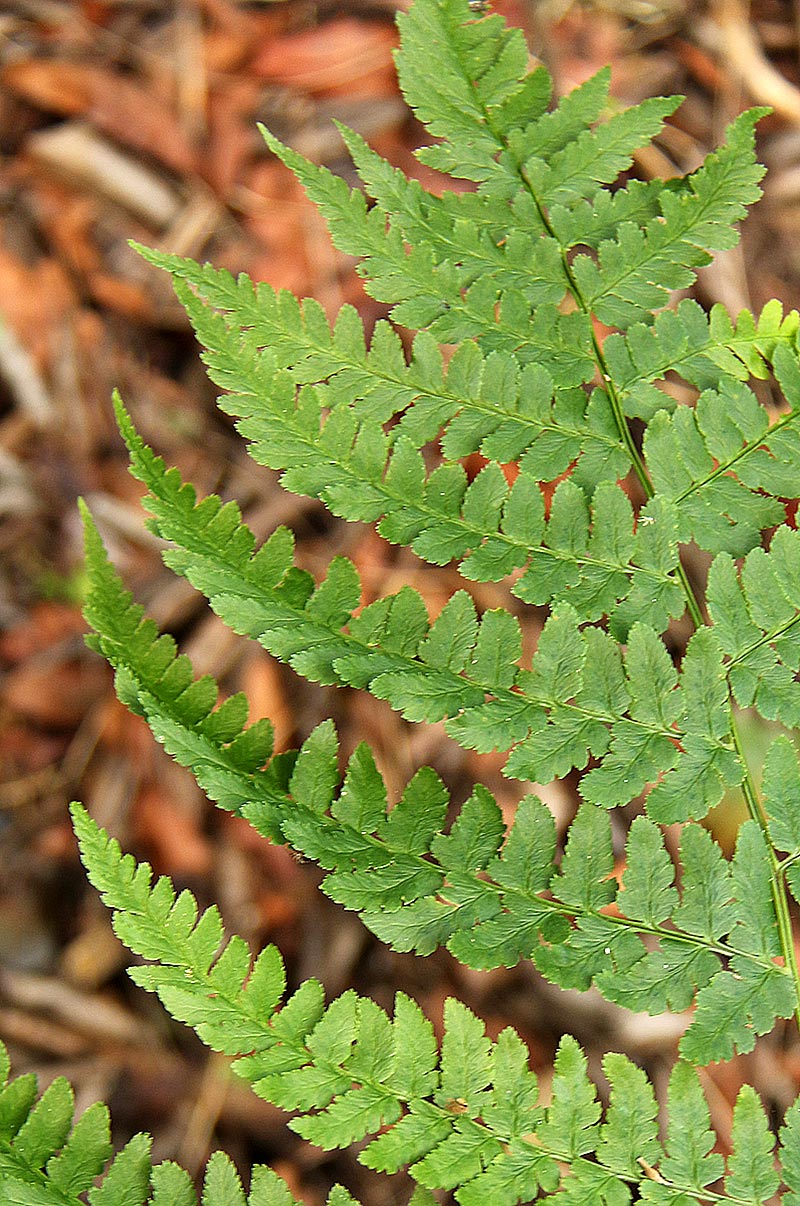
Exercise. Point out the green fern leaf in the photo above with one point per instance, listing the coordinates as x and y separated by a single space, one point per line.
781 789
160 925
691 453
755 617
128 1178
481 923
152 681
45 1160
752 1174
483 66
690 1160
620 287
743 1002
696 345
648 892
706 903
40 1149
476 1124
790 1154
260 594
172 1186
628 1137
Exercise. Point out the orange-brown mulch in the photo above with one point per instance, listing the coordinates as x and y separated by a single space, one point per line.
137 120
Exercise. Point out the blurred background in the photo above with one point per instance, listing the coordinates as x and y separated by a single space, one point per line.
126 119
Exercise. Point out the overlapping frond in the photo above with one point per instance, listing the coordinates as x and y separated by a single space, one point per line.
49 1158
466 1117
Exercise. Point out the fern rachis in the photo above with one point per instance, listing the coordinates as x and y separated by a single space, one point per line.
575 515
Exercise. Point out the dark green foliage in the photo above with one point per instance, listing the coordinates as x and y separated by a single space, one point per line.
579 516
49 1159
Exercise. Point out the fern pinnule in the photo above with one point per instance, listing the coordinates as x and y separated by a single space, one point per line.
156 682
756 622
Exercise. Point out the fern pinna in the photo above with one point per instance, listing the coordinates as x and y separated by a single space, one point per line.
550 277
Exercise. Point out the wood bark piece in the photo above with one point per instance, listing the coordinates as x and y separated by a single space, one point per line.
124 110
734 39
77 151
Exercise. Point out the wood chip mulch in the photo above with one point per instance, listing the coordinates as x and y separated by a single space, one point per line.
133 119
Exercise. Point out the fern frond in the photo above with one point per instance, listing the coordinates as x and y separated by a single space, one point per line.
450 299
465 229
459 230
47 1159
379 383
582 514
790 1154
590 223
42 1154
547 436
655 712
467 1118
484 66
487 402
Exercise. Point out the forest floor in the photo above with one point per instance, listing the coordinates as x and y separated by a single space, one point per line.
136 119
